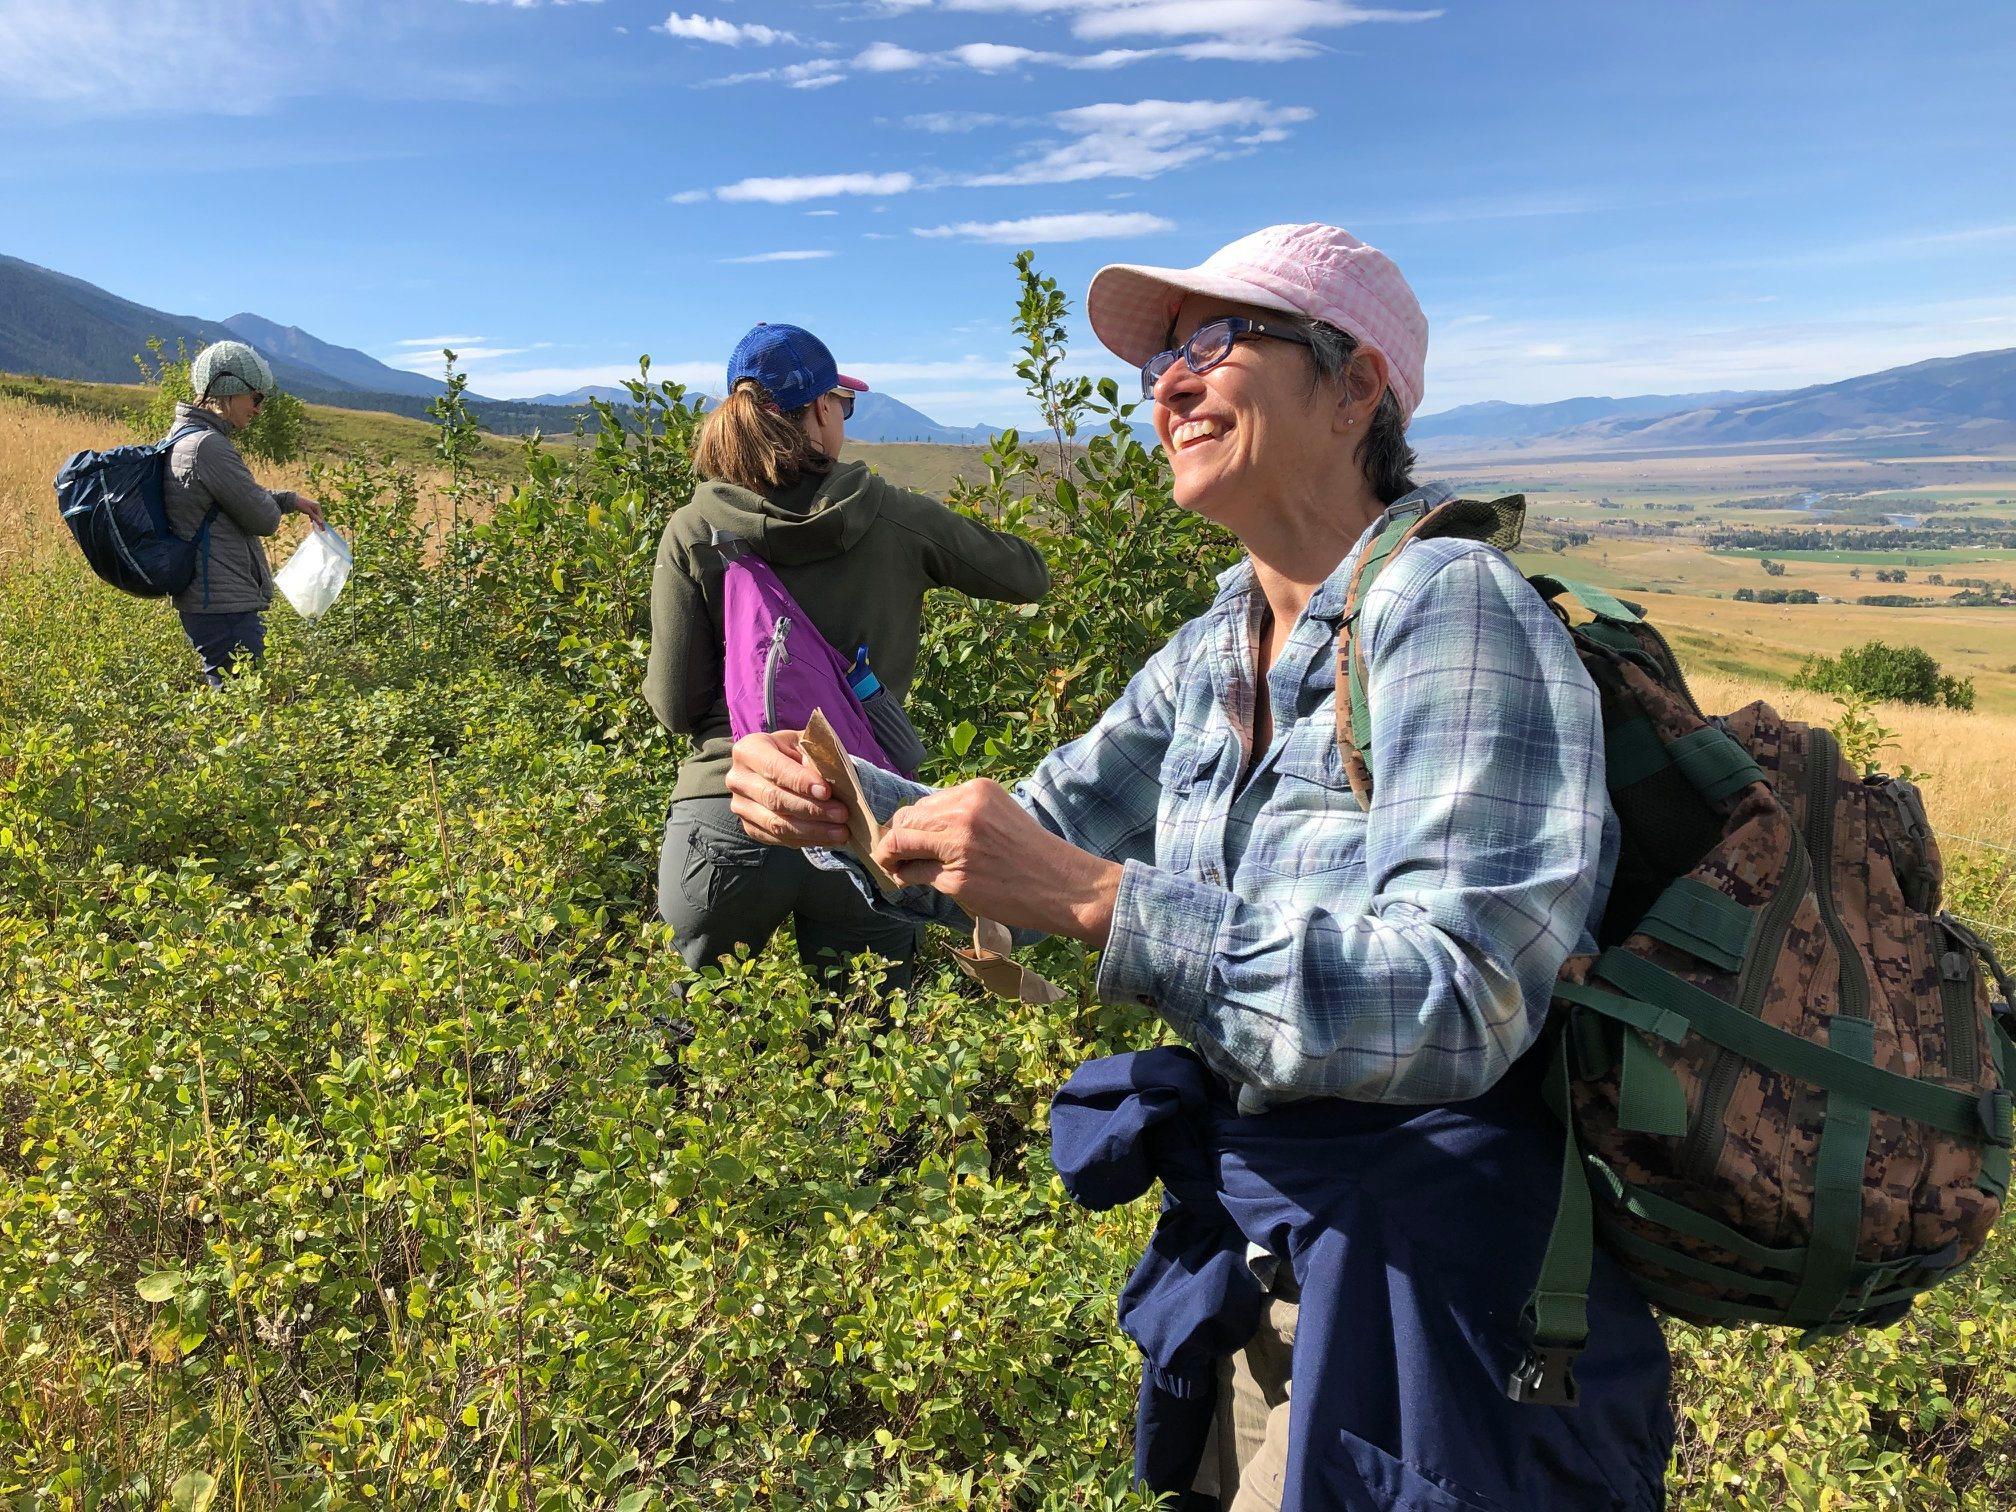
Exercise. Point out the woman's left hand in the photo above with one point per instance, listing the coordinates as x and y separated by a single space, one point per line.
980 848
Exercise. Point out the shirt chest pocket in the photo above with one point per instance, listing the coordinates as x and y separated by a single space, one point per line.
1311 822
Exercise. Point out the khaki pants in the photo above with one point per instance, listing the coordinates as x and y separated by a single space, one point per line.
1246 1451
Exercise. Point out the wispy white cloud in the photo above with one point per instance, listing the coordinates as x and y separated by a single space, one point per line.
468 354
1144 138
946 122
438 342
788 191
1031 230
822 212
808 254
815 73
1245 31
698 28
530 4
1139 139
106 57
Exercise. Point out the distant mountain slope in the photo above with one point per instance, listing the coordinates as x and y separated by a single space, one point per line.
608 393
63 327
346 364
1958 401
1962 401
1496 420
877 417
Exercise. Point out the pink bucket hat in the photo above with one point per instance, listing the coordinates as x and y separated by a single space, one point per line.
1321 272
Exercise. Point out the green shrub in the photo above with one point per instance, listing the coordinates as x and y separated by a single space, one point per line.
1904 674
363 1142
273 436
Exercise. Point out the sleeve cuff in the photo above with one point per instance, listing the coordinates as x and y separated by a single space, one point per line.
1165 933
886 792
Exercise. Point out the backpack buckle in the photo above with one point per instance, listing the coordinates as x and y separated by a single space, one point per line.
1546 1377
1996 1109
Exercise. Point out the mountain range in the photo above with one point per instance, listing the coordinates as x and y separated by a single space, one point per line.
1944 402
62 327
877 416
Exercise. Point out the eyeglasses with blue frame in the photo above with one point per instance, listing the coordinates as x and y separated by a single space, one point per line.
1210 344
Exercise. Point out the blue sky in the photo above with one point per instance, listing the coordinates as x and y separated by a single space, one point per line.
1588 197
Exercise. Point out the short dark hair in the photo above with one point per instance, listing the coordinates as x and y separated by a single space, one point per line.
1385 456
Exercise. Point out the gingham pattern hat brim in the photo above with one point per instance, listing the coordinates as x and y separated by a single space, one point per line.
1130 305
1319 272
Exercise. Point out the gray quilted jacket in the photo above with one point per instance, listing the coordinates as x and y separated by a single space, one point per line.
205 469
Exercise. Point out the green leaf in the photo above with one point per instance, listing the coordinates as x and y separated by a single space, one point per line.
160 1286
192 1492
962 737
631 1501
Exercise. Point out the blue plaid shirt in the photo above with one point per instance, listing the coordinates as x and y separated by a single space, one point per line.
1307 947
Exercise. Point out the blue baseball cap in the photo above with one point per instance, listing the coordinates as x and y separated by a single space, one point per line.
791 363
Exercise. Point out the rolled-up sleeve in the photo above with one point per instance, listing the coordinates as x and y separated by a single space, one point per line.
1488 830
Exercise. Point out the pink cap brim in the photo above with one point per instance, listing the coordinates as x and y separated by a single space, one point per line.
1130 305
852 383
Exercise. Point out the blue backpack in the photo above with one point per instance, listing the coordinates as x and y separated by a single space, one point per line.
114 505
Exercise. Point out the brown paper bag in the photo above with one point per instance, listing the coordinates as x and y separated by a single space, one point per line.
991 961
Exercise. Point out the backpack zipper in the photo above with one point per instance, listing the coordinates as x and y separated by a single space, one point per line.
1705 1135
1673 665
1822 785
1957 966
778 655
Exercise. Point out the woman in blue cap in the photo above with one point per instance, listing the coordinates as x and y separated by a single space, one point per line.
222 609
858 555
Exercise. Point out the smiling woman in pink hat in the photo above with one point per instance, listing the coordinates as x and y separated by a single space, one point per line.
1359 1174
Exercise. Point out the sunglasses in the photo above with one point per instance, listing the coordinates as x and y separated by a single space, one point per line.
846 398
1210 344
258 401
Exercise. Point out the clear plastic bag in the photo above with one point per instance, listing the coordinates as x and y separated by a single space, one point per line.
316 573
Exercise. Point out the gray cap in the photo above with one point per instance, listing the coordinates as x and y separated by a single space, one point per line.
225 368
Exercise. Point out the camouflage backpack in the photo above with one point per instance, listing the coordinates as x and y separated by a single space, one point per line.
1785 1079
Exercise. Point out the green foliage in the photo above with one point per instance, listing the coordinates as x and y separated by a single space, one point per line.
1864 738
275 434
998 685
1905 674
363 1141
1771 568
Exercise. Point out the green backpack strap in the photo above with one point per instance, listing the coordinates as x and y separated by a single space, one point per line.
1496 522
1555 1321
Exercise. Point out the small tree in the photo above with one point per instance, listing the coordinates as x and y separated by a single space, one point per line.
1905 674
276 433
1771 568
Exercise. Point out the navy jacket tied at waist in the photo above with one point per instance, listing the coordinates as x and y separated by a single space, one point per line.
1414 1234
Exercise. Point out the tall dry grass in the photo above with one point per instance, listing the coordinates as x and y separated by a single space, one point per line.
1963 761
34 441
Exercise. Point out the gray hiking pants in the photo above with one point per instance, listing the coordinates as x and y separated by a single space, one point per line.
718 888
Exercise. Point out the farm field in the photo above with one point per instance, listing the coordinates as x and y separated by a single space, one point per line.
362 1141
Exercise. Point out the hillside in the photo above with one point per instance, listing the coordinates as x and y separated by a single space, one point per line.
335 430
1948 403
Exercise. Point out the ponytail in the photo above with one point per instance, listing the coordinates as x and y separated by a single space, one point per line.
747 442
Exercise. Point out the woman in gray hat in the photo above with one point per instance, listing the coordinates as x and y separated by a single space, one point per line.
207 478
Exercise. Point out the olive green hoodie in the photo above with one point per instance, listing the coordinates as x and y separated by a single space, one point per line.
856 552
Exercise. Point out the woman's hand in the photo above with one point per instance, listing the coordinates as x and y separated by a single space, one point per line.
980 848
779 795
311 508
